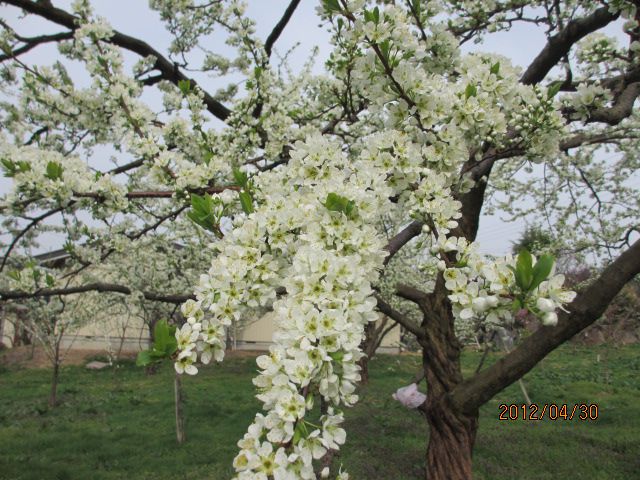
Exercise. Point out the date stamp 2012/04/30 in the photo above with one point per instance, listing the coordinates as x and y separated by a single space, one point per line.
551 411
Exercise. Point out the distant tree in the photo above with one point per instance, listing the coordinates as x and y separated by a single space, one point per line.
535 240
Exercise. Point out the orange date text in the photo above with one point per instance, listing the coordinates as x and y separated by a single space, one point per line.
550 411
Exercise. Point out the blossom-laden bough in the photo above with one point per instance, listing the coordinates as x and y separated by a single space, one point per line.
290 199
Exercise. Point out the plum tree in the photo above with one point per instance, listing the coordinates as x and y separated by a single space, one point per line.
280 186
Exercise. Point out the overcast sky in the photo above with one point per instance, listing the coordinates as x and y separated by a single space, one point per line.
133 17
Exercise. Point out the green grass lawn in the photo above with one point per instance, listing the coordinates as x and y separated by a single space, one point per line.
118 424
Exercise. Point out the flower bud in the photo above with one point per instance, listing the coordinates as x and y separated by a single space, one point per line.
492 301
546 305
550 319
479 304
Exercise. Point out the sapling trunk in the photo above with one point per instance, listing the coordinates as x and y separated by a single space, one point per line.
53 394
181 434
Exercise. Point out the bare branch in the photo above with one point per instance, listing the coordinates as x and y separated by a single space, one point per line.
32 42
92 287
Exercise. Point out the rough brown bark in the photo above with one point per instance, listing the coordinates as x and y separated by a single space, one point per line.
452 432
368 349
451 440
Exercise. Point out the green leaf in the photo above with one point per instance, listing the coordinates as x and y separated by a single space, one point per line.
184 86
54 171
516 305
246 201
171 347
334 202
495 68
161 336
172 331
204 212
12 168
553 89
240 177
143 359
470 91
385 48
103 62
337 356
157 355
541 270
50 280
337 203
372 15
297 434
68 247
15 274
417 7
331 6
9 167
524 270
350 208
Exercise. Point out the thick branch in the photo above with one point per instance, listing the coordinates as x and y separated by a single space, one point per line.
620 110
280 26
398 317
92 287
155 193
560 44
412 294
588 306
401 239
168 69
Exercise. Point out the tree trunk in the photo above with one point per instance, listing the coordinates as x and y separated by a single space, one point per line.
181 434
364 370
53 395
451 439
451 433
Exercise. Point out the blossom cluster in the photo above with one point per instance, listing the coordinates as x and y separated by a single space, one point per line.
313 235
325 259
49 175
485 291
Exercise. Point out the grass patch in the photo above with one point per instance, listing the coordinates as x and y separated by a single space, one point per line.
118 423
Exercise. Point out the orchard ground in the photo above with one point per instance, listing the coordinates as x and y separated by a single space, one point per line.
117 423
